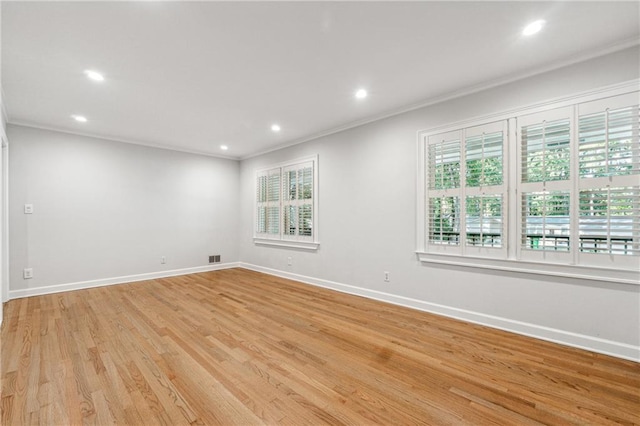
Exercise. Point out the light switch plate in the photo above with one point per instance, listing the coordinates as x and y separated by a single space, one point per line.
28 208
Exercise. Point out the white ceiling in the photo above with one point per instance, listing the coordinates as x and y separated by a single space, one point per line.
195 75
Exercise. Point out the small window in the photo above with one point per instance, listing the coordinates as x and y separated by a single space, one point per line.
286 205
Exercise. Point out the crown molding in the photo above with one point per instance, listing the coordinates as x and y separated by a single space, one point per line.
469 90
116 139
465 91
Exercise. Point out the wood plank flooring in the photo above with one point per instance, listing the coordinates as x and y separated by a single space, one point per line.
239 347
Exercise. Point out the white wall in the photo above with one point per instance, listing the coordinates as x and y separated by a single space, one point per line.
367 221
105 209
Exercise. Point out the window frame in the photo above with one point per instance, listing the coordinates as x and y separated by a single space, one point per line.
281 239
627 271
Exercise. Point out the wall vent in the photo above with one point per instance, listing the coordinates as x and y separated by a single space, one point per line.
214 259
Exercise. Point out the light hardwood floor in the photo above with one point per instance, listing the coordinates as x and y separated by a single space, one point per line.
239 347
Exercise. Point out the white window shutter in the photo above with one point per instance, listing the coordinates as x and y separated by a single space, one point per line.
546 154
546 222
484 220
609 221
485 189
609 181
444 171
444 220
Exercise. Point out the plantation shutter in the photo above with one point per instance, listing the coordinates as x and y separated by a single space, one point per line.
544 210
609 142
485 191
305 195
484 220
443 203
546 220
483 156
444 164
546 151
555 185
444 220
261 203
609 221
297 196
609 184
286 205
268 203
273 202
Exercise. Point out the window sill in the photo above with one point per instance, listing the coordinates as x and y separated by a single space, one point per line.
301 245
621 276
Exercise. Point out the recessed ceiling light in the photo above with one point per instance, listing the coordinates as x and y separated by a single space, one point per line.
361 94
79 118
275 127
533 27
224 147
94 75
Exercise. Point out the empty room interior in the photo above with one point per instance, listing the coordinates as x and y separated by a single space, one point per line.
311 213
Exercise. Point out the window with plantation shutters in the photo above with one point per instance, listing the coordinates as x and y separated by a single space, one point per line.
268 203
609 168
551 189
485 189
298 200
545 185
465 182
286 206
444 157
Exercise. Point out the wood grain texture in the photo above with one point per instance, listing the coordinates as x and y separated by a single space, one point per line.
239 347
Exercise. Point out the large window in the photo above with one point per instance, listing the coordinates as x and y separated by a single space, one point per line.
286 206
551 189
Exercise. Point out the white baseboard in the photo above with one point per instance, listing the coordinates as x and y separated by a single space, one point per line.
594 344
38 291
590 343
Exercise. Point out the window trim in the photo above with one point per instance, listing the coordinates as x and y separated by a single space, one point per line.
583 272
312 243
512 262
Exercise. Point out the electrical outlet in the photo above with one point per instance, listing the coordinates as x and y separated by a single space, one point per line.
163 260
27 273
28 209
289 261
386 277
